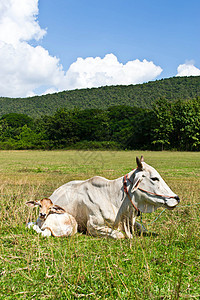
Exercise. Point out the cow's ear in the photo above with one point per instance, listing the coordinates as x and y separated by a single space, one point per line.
136 185
32 203
139 164
57 209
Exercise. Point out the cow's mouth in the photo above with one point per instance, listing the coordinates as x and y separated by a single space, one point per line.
42 217
170 207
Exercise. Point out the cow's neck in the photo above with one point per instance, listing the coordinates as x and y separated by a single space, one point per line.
119 185
129 178
39 222
126 209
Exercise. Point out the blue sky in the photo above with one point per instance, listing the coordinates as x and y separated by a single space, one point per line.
84 43
166 32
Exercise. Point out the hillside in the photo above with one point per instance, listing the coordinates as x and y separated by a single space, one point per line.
140 95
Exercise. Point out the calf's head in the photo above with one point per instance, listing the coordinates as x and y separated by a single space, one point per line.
151 191
46 207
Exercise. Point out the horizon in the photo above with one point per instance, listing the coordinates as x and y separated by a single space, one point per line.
104 86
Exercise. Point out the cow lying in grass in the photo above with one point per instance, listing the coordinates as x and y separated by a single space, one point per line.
105 207
52 220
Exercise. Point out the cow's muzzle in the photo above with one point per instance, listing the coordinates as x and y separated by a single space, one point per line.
42 215
172 202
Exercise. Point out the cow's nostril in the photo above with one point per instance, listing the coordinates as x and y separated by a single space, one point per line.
177 198
42 215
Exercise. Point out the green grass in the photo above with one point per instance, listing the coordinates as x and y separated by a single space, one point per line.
165 265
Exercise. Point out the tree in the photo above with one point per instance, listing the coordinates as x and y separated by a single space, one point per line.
186 120
93 125
61 129
17 120
163 117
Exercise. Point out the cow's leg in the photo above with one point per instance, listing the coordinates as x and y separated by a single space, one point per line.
37 229
34 226
127 227
46 232
97 228
139 229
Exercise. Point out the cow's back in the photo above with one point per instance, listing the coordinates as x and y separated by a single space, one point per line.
66 193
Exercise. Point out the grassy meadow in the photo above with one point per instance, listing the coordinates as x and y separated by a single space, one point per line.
165 264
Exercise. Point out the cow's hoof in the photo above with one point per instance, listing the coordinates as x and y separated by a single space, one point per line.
30 224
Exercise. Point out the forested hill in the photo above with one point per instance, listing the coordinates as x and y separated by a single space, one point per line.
140 95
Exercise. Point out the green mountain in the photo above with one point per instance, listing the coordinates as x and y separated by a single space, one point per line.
140 95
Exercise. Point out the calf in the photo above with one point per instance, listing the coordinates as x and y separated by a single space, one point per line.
53 219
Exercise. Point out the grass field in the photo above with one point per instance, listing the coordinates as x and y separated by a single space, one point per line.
161 266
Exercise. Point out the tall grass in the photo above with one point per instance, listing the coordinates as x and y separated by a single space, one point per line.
165 264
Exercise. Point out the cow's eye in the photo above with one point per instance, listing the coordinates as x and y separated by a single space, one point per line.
155 179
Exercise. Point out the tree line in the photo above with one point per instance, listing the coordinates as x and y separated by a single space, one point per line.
168 125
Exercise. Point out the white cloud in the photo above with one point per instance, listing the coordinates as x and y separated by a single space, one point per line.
188 69
95 72
18 21
26 69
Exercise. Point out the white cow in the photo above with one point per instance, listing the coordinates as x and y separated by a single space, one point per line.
109 207
52 220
